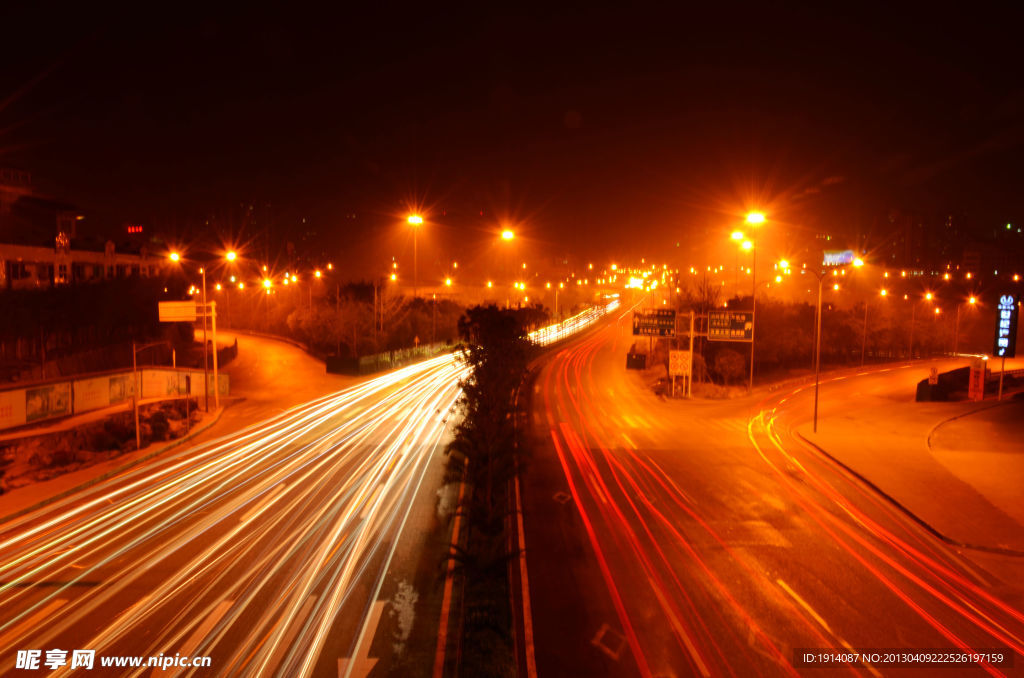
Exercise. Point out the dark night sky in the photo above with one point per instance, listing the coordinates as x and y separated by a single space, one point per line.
597 131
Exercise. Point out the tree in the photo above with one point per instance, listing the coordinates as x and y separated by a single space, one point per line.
729 364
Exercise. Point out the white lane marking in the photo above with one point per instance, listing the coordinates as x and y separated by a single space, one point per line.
369 502
804 604
202 631
531 661
266 501
286 641
360 664
32 621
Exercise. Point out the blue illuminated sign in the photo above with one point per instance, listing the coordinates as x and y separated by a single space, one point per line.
838 257
1006 327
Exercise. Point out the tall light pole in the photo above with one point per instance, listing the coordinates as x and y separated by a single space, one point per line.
753 219
864 338
972 300
820 275
508 235
415 221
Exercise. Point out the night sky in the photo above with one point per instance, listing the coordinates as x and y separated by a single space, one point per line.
596 132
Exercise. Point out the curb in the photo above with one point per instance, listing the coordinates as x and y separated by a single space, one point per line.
981 408
904 510
116 471
277 337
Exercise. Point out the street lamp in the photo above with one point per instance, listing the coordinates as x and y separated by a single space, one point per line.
821 275
415 221
508 235
864 339
972 301
913 318
229 256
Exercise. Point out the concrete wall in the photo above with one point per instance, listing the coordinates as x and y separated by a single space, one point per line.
54 399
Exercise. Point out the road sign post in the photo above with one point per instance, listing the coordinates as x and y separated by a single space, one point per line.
1006 334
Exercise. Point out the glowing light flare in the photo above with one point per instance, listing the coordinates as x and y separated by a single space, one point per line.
414 219
755 218
507 234
174 256
231 255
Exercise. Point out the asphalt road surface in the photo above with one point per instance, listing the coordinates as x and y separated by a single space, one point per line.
672 538
264 550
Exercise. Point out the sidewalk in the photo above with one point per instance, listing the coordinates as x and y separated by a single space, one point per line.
956 466
267 378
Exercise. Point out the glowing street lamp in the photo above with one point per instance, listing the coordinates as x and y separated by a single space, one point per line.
507 234
175 257
971 301
755 218
415 221
231 255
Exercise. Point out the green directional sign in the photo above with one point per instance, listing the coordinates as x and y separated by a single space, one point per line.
657 323
730 325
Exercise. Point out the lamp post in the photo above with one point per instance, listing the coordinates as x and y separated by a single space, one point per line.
508 235
972 300
820 275
211 310
753 219
864 339
913 318
415 221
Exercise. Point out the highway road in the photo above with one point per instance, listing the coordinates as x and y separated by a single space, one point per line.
675 538
265 550
254 549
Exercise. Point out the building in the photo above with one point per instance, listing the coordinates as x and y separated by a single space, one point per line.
40 245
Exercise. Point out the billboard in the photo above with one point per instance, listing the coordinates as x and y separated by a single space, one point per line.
1006 327
730 325
46 402
838 257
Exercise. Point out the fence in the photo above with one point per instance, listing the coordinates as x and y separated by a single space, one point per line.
66 397
380 362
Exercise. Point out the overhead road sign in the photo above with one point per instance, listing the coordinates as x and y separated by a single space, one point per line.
730 325
657 323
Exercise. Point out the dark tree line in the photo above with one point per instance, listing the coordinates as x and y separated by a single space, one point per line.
484 456
43 326
891 329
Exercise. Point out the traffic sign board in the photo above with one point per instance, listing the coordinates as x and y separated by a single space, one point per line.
730 325
658 323
678 363
177 311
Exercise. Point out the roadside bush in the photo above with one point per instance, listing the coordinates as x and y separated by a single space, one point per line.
102 440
